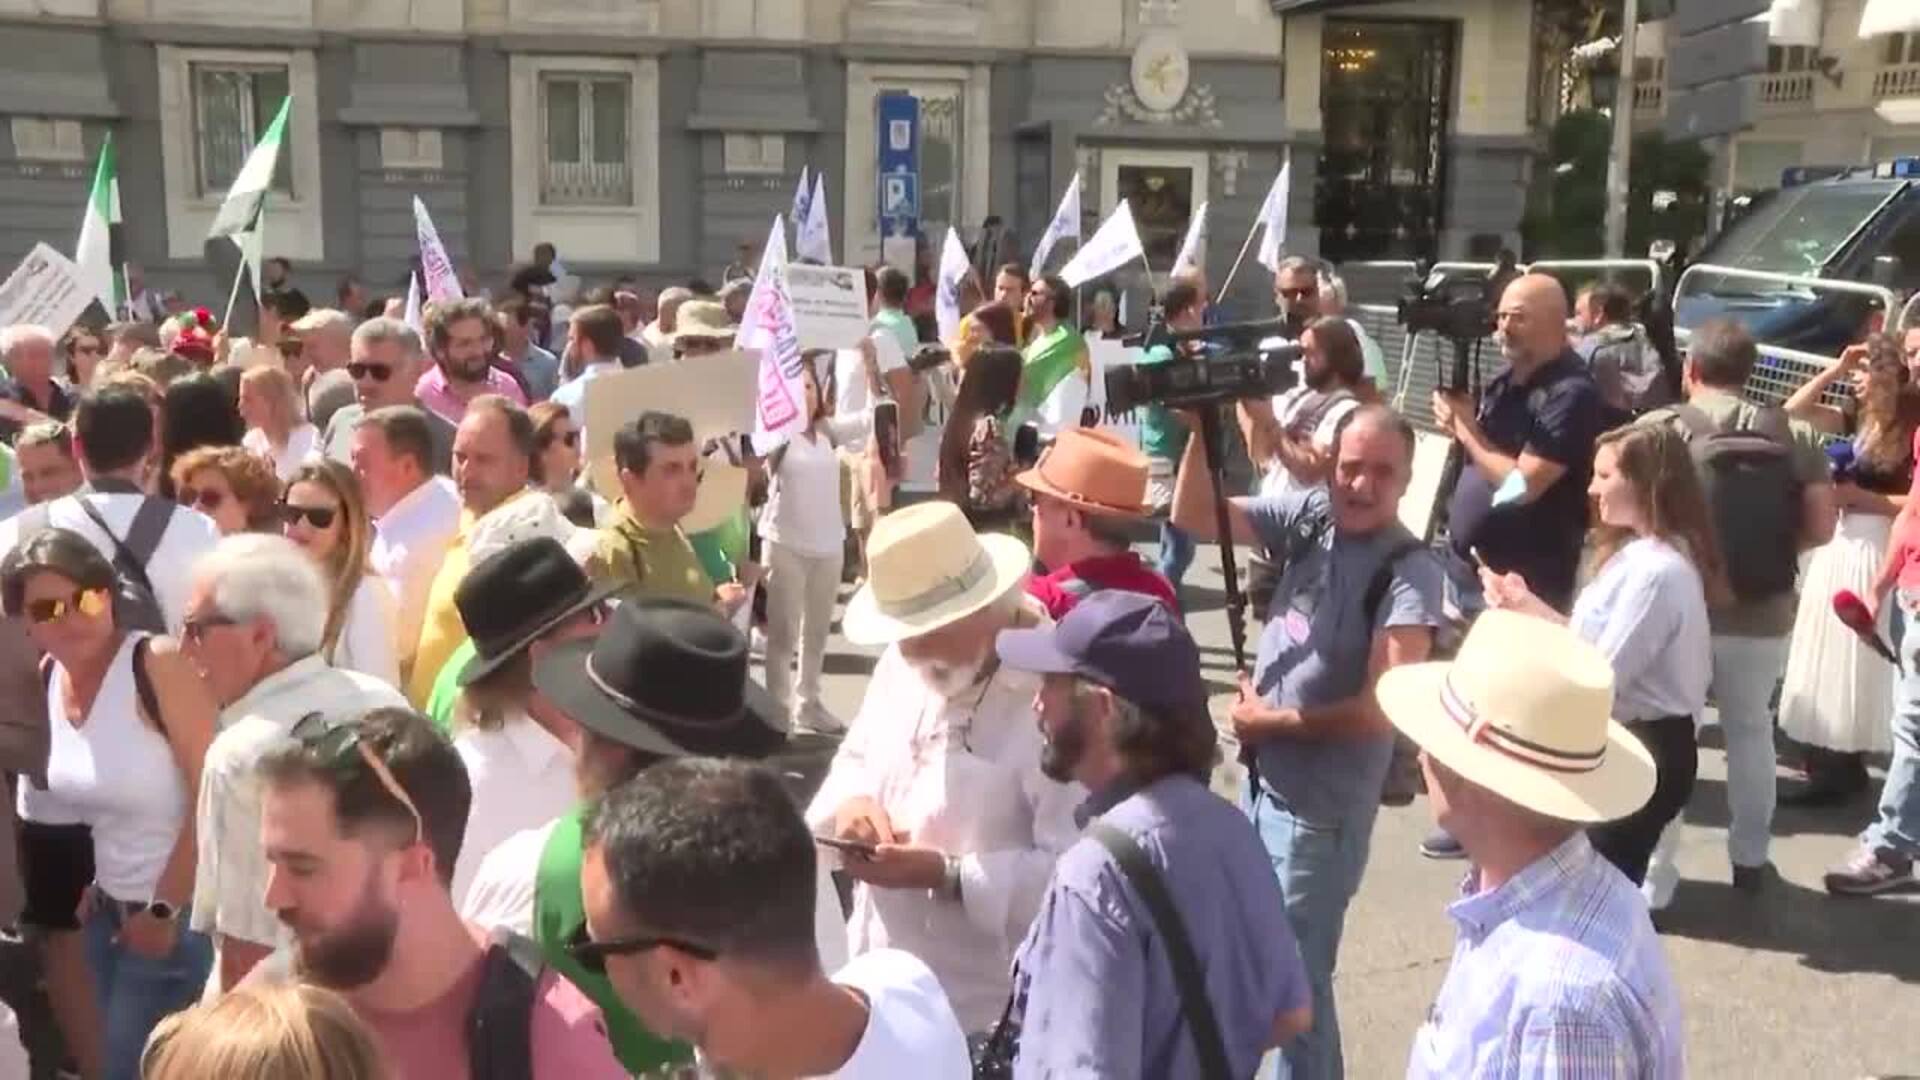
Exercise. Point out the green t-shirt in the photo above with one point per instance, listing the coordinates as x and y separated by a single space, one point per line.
446 687
724 547
650 562
1162 435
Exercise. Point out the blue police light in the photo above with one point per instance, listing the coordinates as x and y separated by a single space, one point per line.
1901 168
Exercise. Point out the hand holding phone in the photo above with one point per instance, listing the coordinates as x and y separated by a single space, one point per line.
886 435
856 848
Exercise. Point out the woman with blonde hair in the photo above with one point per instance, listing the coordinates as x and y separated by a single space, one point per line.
286 1031
1837 692
277 427
324 512
232 486
1656 568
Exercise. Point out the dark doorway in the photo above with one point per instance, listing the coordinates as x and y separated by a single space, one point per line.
1386 93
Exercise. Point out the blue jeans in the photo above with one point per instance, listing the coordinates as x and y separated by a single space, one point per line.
1176 554
1319 864
1897 825
135 992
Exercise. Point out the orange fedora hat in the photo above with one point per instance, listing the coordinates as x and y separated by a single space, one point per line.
1094 470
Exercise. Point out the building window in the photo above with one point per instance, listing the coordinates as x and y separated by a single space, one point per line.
410 148
585 122
1782 59
754 154
232 107
1901 49
43 138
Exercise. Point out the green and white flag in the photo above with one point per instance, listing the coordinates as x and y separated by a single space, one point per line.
97 253
234 243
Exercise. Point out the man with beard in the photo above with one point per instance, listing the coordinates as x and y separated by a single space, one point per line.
460 335
940 770
255 615
1123 711
1054 348
1357 595
362 820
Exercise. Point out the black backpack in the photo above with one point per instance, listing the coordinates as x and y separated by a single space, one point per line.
135 607
1747 474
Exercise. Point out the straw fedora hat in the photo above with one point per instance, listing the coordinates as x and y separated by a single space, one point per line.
926 567
702 319
1525 711
1094 470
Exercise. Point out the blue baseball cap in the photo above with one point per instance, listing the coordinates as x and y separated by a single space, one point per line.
1128 642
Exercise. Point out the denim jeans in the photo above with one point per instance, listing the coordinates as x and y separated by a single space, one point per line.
135 992
1319 864
1897 824
1176 555
1745 670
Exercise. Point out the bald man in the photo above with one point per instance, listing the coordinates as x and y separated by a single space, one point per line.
1521 503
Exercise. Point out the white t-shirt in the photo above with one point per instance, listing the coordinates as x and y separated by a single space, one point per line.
302 446
850 396
803 511
521 777
189 535
366 642
911 1029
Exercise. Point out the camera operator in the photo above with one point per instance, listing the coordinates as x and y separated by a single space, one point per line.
1163 431
1357 594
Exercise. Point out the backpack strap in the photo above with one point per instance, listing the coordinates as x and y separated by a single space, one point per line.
125 560
143 683
1187 977
1382 579
1771 421
499 1029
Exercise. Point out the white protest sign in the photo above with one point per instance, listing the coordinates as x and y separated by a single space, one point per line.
45 290
1075 392
714 393
829 305
1422 497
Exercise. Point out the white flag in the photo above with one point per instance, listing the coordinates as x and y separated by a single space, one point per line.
954 267
801 196
814 241
779 397
1273 216
1066 222
1114 244
1888 17
412 314
443 284
1193 249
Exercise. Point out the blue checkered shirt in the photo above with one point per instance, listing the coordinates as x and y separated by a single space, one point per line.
1557 973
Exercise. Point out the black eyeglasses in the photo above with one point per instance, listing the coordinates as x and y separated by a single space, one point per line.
332 741
194 628
320 517
592 955
376 372
207 499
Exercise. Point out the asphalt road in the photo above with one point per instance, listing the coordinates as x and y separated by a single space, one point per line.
1790 983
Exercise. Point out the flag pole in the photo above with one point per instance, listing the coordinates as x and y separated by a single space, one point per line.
234 293
1237 260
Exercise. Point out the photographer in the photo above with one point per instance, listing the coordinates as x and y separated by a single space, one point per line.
1357 594
1163 431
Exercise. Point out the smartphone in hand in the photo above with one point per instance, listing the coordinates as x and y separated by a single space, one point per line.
886 435
859 849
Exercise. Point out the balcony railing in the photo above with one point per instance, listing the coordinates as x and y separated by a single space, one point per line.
1787 90
1897 80
1649 96
586 183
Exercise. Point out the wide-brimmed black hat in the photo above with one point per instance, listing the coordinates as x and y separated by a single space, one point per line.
667 677
518 593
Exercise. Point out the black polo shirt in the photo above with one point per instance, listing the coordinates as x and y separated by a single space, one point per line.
1555 415
59 405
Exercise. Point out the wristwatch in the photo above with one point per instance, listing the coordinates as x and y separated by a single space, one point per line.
160 909
950 881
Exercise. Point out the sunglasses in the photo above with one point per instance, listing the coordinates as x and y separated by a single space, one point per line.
376 372
320 517
88 602
592 955
208 499
1298 294
195 629
332 742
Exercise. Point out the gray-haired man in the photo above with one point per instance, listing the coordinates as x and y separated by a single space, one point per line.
386 361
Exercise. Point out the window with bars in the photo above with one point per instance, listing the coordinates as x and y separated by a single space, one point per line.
232 106
585 120
1901 49
1786 59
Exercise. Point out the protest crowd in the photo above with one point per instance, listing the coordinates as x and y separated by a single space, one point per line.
380 692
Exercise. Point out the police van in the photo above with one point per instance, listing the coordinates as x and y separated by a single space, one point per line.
1858 228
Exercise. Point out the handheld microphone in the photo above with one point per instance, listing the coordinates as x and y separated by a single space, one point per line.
1853 612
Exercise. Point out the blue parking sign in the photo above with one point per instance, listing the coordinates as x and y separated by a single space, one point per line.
897 158
900 196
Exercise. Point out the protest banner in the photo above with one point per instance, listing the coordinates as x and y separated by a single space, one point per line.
45 290
768 328
1114 244
1063 407
714 393
829 305
443 283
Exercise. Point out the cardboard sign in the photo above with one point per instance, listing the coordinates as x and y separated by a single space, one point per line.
1423 495
45 290
714 393
829 305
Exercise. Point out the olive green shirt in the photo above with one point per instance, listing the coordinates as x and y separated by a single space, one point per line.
1772 617
649 562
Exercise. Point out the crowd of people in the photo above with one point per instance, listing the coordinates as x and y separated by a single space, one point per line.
353 733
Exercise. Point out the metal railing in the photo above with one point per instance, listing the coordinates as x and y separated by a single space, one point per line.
1649 96
586 183
1655 272
1897 80
1791 88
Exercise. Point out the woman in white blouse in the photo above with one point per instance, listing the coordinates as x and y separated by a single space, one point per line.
324 513
1656 567
806 534
277 427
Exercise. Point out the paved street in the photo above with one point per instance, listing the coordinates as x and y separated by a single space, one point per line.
1789 984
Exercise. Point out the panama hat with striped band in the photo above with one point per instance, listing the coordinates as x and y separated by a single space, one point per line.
1525 711
926 567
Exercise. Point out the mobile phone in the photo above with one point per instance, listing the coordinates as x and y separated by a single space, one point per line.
859 848
886 434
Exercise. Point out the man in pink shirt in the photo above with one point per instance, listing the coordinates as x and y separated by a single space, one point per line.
362 821
461 339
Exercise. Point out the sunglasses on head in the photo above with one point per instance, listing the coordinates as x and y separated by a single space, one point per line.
376 372
208 499
88 602
592 955
320 517
335 743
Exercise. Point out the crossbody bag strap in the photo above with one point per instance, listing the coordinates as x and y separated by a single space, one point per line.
1152 888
